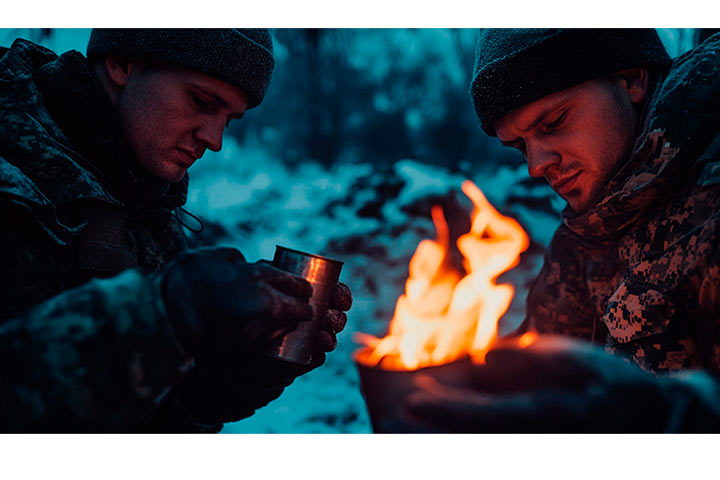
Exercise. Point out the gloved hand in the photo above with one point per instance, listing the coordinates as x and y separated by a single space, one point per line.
224 388
561 385
218 302
333 323
225 311
230 386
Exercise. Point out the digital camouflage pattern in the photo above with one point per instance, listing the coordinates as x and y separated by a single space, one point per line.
640 271
78 355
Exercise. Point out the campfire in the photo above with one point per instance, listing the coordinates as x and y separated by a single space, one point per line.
446 317
444 314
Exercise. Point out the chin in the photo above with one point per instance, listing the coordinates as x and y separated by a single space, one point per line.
170 172
176 177
167 168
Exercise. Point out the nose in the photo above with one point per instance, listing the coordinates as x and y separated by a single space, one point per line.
540 158
211 133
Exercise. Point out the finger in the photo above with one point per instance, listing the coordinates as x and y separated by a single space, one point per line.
289 310
334 321
325 342
284 281
341 298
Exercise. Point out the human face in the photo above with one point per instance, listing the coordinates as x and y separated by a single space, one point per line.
576 138
170 115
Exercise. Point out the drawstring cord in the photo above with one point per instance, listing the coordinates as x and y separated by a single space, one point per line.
178 217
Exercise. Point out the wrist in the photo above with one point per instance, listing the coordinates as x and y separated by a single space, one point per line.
178 310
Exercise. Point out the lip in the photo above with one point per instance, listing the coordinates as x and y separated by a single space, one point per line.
565 184
191 157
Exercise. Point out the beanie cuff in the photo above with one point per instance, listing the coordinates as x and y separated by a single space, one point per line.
565 59
240 57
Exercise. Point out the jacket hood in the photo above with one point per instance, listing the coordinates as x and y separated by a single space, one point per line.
59 142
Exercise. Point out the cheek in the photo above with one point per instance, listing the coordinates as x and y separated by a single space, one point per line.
592 146
153 123
576 146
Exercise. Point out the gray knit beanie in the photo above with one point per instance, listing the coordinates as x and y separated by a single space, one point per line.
242 57
516 66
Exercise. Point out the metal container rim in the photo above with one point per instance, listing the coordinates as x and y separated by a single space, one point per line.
327 259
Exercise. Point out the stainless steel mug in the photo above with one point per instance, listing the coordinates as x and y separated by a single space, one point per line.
323 274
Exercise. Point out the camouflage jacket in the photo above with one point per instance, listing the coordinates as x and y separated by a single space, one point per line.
640 271
85 342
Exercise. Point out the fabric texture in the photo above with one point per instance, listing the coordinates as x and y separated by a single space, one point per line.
640 271
242 57
516 66
87 355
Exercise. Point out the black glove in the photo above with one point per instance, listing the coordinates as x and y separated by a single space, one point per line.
333 323
229 386
218 302
224 311
219 389
559 385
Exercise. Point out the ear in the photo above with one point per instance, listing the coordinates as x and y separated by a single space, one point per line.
118 70
635 82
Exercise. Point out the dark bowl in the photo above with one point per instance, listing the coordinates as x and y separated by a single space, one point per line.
385 390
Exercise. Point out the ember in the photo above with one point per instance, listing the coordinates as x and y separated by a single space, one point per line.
445 315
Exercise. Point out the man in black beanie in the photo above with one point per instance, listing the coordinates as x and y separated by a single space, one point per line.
631 141
107 323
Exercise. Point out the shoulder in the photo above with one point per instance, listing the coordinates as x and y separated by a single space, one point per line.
38 168
700 65
687 101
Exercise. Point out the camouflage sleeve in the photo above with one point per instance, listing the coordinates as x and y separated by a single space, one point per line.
91 359
558 301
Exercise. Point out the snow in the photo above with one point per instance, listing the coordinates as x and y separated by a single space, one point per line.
344 212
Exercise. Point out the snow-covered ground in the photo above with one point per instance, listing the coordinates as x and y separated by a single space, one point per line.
372 221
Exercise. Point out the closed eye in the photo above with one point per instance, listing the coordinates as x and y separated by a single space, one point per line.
555 124
202 104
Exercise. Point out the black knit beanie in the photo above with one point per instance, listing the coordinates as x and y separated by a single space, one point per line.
242 57
516 66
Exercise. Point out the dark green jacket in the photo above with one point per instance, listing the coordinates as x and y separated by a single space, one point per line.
640 271
85 342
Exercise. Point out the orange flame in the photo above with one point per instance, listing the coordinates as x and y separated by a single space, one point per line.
443 315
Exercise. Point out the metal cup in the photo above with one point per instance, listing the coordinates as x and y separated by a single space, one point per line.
323 274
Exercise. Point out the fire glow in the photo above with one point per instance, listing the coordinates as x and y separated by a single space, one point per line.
445 315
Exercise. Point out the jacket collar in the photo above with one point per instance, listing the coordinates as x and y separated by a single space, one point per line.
668 152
